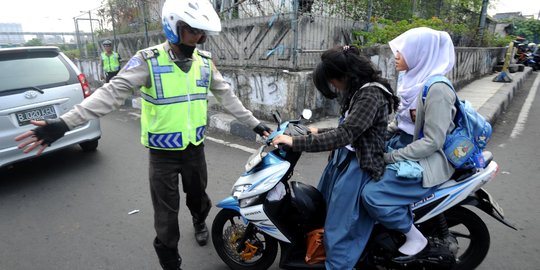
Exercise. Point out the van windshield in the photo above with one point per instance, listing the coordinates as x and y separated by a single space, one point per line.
27 69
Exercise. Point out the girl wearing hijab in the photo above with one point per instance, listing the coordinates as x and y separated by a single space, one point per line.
357 144
420 53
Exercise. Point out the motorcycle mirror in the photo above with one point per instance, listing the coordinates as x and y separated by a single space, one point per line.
307 113
277 117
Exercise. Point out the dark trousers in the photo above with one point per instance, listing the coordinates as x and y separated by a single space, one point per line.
165 166
110 75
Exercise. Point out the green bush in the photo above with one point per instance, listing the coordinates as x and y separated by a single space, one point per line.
384 30
72 54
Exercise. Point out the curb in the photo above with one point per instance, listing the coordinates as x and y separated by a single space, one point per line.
226 123
496 105
491 110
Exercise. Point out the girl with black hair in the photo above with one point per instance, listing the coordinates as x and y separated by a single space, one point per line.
358 146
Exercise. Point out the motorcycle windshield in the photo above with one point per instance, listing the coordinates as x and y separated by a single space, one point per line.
264 176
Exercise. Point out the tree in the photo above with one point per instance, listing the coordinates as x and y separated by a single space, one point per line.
528 28
129 14
34 42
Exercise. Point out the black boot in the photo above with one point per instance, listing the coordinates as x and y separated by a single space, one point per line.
169 259
201 232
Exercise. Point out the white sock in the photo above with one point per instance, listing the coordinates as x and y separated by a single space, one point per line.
415 242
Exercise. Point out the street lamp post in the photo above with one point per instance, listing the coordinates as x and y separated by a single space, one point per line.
92 32
76 20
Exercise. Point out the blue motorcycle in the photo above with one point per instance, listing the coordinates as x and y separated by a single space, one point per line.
267 209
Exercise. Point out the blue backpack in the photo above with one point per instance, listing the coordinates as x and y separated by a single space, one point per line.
463 146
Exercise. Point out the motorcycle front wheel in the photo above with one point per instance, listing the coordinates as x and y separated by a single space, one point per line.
239 251
472 235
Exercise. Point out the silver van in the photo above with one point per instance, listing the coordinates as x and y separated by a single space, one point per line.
40 83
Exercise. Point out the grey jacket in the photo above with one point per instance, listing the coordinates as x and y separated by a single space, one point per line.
131 77
436 116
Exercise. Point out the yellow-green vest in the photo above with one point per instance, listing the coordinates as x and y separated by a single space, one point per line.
110 62
174 110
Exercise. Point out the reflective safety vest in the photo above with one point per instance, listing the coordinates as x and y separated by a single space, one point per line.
110 62
174 109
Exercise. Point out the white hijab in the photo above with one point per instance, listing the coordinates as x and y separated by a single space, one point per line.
427 53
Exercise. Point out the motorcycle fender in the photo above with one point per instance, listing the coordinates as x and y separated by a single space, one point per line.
483 201
229 203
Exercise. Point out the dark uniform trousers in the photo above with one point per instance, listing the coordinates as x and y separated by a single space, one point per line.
110 75
165 166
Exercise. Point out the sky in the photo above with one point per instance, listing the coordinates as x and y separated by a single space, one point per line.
57 15
46 15
526 7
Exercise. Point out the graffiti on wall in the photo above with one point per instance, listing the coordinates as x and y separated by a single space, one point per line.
259 88
474 63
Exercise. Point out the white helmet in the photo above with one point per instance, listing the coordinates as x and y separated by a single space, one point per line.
532 46
199 14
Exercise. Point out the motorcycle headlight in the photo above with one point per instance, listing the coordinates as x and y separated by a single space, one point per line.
237 190
249 201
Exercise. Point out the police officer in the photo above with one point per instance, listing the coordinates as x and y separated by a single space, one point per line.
110 61
174 79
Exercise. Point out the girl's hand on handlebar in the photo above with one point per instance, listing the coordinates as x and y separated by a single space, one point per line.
282 139
314 130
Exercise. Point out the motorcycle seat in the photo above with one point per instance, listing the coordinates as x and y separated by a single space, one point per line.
462 174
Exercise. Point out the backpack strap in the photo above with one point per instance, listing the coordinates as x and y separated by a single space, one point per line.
375 84
378 85
431 81
436 79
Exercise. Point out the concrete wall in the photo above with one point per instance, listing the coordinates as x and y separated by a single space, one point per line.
265 89
257 58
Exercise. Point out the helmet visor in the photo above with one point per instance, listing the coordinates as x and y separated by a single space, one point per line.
189 29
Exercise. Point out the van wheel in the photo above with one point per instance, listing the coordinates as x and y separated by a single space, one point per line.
89 146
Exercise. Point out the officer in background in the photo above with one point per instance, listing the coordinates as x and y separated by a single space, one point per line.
174 79
110 61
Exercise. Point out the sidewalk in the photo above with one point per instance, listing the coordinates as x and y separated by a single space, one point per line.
488 97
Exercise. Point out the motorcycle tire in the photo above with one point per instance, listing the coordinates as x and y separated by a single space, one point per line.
470 230
228 229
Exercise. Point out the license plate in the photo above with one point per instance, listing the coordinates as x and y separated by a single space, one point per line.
41 113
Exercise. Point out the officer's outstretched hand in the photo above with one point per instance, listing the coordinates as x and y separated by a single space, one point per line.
263 130
47 132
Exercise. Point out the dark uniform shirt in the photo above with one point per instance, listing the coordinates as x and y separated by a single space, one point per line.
364 129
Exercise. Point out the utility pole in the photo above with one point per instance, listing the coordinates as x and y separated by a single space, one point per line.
294 27
482 24
92 31
113 29
369 12
146 39
77 35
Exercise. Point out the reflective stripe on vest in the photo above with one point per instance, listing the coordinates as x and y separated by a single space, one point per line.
110 62
174 109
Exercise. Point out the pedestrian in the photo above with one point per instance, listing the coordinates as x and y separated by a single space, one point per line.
357 146
418 136
110 61
174 79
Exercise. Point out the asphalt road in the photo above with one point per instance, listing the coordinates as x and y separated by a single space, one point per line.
517 186
69 210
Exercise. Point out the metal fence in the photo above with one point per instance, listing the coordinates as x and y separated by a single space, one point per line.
287 34
285 41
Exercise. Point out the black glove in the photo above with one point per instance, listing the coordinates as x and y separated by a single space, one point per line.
54 130
261 128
